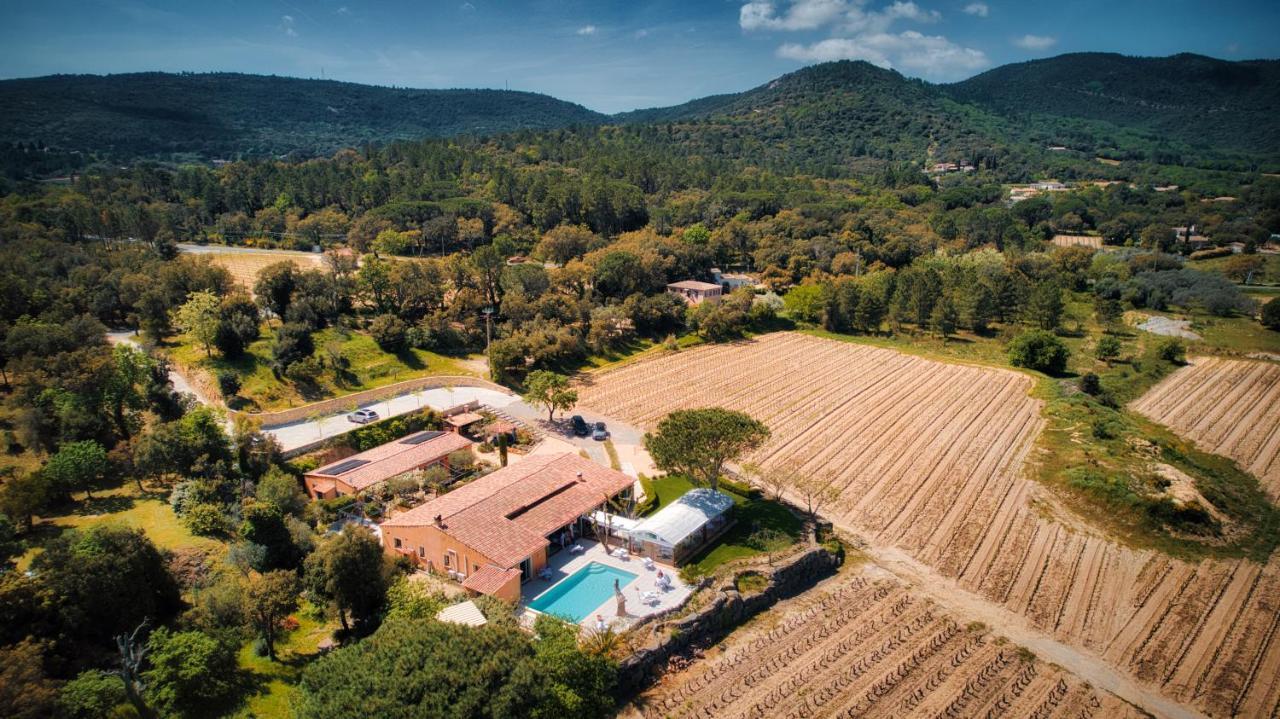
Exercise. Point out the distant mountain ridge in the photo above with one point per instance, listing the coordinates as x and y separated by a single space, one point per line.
228 114
819 118
1192 98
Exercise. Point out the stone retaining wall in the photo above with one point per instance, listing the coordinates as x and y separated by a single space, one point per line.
336 405
727 609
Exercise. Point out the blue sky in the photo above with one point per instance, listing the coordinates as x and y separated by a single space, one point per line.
609 56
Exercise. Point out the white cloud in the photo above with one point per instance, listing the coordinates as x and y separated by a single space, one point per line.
929 55
467 7
800 15
587 30
1035 42
344 10
862 32
978 9
641 33
286 24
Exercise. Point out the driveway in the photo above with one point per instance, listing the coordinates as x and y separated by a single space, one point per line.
180 383
299 434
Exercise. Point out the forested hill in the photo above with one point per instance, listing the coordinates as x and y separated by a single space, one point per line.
1198 100
836 113
224 115
832 119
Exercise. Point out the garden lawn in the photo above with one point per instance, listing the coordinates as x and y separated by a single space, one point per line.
123 506
275 683
752 514
368 367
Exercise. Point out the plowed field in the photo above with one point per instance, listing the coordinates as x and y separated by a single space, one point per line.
1228 407
928 457
863 647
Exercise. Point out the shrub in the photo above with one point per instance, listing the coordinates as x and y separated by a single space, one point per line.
1090 385
228 383
205 520
1270 316
1171 350
390 332
1039 350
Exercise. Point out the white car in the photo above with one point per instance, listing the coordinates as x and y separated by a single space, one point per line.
363 416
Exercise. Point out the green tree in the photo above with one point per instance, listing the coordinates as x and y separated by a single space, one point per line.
190 672
106 580
26 692
91 695
550 391
350 571
200 316
415 668
293 344
697 443
1044 306
1039 350
264 525
943 317
1107 311
1108 348
280 489
805 303
389 332
269 598
78 466
275 285
696 234
1270 315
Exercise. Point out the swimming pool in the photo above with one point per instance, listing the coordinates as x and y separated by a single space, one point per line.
582 592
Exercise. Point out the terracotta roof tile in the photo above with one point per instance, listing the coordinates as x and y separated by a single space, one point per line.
507 515
490 579
388 460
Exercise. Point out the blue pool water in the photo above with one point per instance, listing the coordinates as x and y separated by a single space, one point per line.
582 592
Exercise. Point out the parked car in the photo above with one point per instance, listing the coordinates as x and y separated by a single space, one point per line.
580 426
601 433
363 416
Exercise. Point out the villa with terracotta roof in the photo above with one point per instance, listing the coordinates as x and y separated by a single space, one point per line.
496 532
695 292
375 466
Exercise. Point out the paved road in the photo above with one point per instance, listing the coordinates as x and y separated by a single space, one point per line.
628 441
298 434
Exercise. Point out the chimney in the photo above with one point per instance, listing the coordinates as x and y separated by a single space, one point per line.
439 520
580 476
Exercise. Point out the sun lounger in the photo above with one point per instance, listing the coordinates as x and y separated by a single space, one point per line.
648 563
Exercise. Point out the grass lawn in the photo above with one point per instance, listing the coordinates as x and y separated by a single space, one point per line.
368 367
123 506
275 683
1269 275
752 514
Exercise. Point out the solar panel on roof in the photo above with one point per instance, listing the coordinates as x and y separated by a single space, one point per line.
421 437
344 467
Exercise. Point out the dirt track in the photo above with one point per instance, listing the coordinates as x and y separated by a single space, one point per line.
864 645
1229 407
929 457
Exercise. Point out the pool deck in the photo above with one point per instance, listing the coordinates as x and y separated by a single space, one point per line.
564 564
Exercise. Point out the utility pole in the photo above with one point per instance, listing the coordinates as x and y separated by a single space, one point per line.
488 330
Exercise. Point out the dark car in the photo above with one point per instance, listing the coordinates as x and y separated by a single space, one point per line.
363 416
580 427
601 433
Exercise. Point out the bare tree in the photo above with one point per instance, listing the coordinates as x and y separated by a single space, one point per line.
776 479
815 490
132 651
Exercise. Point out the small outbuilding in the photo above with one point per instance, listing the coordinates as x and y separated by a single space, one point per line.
679 530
